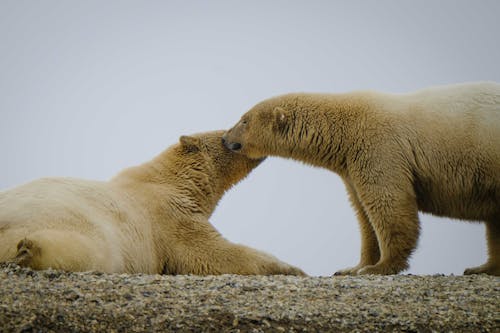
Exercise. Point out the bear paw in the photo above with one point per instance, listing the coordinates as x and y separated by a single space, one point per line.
24 255
381 269
349 271
488 268
286 270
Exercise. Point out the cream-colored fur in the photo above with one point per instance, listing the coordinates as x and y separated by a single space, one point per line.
436 150
151 219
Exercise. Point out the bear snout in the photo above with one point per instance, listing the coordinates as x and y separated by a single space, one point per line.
234 146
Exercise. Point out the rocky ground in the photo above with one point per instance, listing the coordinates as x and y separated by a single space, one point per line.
40 301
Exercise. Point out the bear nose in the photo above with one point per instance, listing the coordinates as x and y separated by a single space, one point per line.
234 146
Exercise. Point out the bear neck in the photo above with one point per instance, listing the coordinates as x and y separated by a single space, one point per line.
193 180
319 130
179 186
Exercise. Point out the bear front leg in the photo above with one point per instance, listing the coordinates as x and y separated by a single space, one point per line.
370 253
393 214
492 266
201 250
241 259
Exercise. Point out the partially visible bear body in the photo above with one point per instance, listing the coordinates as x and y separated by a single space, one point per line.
149 219
436 150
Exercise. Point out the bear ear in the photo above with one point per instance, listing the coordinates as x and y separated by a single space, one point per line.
190 143
280 114
281 119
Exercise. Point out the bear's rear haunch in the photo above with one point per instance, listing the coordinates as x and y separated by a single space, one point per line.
436 150
152 218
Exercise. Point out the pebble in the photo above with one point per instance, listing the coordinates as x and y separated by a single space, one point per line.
59 301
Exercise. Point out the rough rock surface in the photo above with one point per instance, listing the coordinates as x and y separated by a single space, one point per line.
40 301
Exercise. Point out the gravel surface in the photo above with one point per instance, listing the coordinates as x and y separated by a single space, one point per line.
40 301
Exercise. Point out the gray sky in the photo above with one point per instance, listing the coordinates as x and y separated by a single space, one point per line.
88 88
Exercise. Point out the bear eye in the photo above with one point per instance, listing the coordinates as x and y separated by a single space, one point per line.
244 122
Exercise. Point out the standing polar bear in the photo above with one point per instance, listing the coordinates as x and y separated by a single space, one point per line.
436 150
149 219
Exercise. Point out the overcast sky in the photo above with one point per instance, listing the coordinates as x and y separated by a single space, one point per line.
88 88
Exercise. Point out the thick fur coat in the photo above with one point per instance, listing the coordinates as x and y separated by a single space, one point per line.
436 150
149 219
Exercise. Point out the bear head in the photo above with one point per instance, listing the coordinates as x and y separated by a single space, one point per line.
207 153
261 131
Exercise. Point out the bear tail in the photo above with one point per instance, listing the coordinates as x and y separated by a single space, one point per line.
26 251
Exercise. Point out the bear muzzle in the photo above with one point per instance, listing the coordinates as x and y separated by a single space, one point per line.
233 146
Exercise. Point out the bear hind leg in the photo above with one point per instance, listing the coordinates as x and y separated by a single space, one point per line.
58 249
492 266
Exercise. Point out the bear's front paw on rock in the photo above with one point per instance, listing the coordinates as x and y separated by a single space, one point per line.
349 271
288 270
280 268
382 269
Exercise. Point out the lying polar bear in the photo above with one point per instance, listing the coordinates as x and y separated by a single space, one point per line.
152 218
